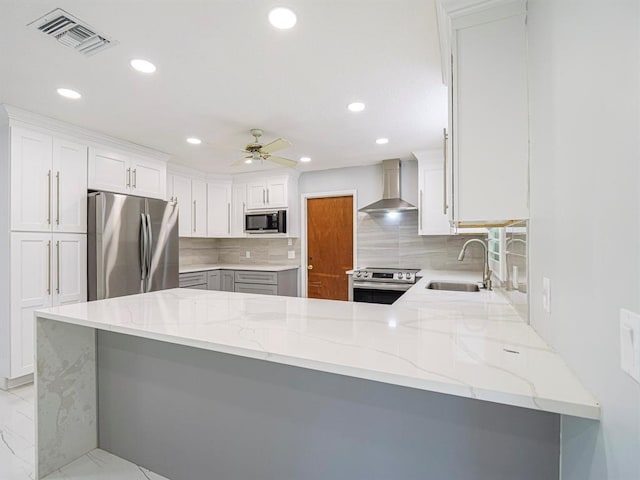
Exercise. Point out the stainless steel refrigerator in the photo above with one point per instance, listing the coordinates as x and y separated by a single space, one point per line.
132 245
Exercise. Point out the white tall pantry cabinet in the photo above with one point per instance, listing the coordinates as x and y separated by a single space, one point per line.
43 252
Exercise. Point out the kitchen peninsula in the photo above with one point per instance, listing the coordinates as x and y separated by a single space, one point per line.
192 384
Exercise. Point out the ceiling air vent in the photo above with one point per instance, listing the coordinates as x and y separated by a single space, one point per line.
70 31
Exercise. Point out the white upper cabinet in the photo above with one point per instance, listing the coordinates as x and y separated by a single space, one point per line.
432 202
70 187
48 183
267 194
199 208
488 118
218 209
238 209
180 191
109 171
31 180
148 178
120 172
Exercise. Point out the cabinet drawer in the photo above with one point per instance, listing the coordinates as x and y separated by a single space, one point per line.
256 288
267 278
191 279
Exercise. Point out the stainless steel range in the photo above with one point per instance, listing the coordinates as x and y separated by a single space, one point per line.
382 285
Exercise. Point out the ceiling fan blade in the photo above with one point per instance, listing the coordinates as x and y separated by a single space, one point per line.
285 162
277 144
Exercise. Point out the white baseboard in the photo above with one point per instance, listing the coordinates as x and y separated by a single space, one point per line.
8 383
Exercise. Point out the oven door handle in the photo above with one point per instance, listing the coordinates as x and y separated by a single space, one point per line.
398 287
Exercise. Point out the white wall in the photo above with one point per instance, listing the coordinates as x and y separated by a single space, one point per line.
585 213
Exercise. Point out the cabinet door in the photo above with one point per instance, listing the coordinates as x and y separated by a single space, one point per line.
182 194
218 209
227 280
109 171
70 186
277 192
199 206
148 178
31 181
69 270
256 195
213 280
31 259
238 208
432 219
491 121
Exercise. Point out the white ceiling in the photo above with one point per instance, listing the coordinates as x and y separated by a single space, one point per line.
223 69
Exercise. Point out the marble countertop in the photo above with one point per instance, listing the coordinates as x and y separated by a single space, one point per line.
465 344
233 266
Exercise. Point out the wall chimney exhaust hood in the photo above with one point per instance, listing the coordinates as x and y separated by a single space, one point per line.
391 201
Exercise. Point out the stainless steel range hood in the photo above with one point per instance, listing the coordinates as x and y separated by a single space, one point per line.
391 201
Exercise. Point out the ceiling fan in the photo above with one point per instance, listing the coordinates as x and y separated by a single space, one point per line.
260 152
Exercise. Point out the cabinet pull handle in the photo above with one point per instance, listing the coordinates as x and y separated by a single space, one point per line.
58 267
128 177
420 212
267 195
263 197
49 198
228 218
49 267
135 178
195 217
58 198
444 196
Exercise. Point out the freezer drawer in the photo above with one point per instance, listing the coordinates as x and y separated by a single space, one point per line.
192 279
256 288
265 278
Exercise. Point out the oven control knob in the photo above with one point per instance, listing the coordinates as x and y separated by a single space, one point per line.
358 274
408 277
400 276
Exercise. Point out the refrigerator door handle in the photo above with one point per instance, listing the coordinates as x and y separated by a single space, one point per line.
143 247
149 247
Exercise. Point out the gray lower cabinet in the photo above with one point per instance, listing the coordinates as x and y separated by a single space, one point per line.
267 283
195 280
227 281
213 280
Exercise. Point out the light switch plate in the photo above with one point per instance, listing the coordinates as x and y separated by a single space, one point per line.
291 254
247 254
630 343
546 294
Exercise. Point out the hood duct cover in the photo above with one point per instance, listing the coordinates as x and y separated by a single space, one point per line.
391 200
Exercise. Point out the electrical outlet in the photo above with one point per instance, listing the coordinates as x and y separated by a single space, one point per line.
630 343
247 254
546 294
290 242
291 254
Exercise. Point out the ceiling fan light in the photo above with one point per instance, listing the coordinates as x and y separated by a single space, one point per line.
248 161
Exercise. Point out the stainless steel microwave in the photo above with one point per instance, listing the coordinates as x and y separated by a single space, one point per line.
274 221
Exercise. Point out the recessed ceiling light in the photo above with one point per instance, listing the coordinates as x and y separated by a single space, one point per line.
68 93
143 66
356 106
282 18
305 159
382 141
194 141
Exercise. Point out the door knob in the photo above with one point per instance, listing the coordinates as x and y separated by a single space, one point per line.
310 267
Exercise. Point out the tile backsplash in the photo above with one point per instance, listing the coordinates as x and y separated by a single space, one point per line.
393 241
270 251
198 250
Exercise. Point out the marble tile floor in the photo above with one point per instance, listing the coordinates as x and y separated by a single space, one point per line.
17 447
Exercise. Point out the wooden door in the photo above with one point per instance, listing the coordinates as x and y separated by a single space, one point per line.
329 247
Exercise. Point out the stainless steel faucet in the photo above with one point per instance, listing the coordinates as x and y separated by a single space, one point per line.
486 273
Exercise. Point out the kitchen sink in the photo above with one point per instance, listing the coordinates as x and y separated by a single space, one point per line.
454 286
